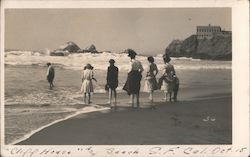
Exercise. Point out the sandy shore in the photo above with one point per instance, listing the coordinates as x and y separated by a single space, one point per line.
30 105
204 119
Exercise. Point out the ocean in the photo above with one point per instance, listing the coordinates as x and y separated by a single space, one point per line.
30 104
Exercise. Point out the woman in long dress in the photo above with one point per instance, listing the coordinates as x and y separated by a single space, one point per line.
151 83
167 77
133 83
87 85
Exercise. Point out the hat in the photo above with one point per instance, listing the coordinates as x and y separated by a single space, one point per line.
89 66
131 52
111 61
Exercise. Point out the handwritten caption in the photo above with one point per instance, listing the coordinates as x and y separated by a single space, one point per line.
106 151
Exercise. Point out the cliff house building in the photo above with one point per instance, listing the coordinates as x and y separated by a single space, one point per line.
207 31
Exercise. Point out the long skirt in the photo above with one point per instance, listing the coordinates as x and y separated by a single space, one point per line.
50 77
150 85
87 86
133 83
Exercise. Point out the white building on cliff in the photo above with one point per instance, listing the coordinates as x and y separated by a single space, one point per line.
207 32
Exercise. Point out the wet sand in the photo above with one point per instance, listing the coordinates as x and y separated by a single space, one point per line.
199 120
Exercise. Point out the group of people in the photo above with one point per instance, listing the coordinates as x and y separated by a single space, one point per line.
168 81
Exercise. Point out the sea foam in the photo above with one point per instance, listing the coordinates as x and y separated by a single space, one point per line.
76 61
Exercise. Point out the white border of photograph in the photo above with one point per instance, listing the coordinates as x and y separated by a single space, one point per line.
240 86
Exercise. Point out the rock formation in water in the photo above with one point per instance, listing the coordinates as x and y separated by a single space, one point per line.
65 49
70 46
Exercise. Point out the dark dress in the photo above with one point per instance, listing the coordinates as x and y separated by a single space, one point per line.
112 77
51 75
133 83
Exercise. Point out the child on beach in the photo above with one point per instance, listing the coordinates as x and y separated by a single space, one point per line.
176 83
151 83
112 81
50 75
87 85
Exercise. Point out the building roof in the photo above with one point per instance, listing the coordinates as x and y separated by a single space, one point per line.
208 26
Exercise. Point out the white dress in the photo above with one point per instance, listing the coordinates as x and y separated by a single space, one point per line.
150 82
87 85
167 86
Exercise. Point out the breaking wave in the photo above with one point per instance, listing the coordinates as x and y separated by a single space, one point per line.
100 61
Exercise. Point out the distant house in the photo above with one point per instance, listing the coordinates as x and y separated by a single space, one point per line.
207 32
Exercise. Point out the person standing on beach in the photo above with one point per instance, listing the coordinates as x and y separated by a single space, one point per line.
112 81
151 83
87 85
166 80
133 83
50 75
176 83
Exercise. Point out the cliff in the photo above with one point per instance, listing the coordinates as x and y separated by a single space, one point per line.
217 48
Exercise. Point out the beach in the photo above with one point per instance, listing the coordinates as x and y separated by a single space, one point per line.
205 90
204 121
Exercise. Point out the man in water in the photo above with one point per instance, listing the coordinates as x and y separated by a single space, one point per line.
50 75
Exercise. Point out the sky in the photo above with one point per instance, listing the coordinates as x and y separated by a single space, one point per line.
146 30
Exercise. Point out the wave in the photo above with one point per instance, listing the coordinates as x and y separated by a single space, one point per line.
100 61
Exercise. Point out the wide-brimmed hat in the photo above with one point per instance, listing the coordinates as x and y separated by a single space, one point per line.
89 66
130 52
111 61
